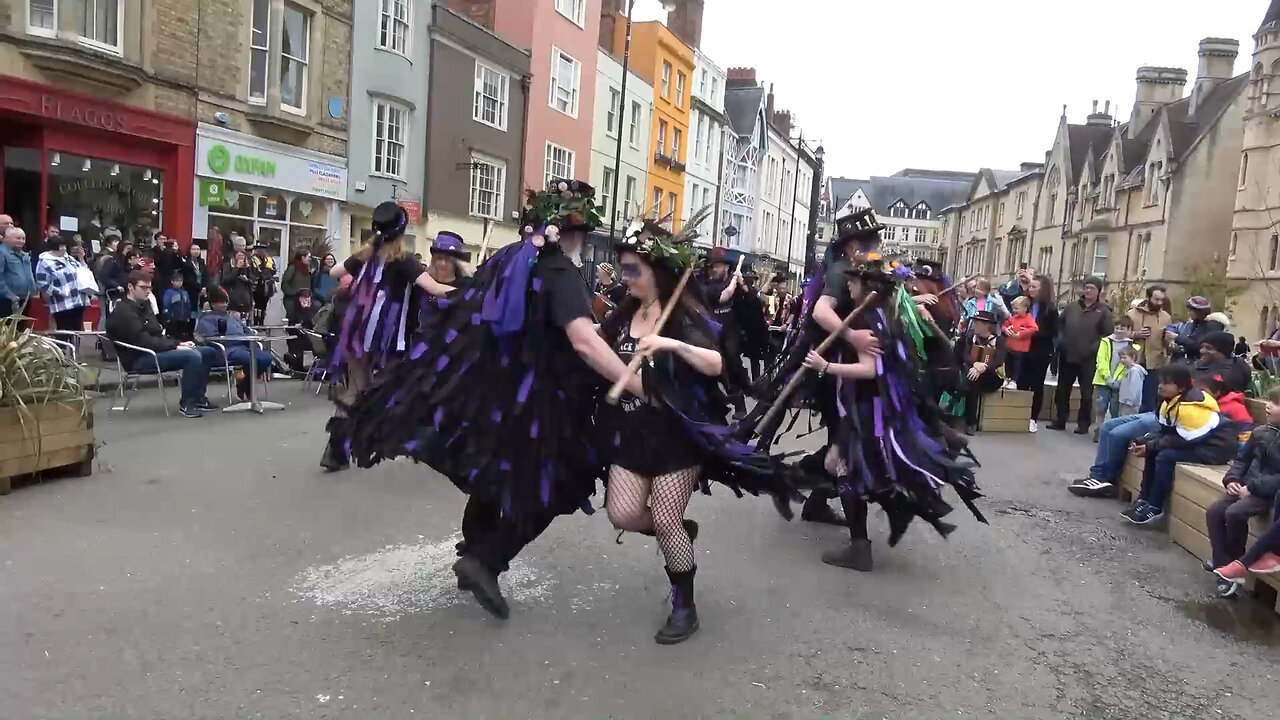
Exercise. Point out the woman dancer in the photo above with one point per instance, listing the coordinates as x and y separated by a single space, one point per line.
449 261
664 448
375 329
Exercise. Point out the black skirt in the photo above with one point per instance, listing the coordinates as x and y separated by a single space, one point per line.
649 442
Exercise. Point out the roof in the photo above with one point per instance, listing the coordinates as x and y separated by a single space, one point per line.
1081 139
842 189
935 174
936 193
1186 131
1272 16
742 107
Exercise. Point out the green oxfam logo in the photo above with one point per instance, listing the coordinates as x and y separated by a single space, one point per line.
219 159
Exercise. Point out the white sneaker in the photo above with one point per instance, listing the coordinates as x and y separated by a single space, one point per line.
1034 427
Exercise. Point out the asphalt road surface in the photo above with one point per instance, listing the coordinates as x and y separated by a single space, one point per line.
208 569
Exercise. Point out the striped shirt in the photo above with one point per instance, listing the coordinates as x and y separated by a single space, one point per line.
56 278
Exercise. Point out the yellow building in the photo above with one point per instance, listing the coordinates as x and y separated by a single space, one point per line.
663 60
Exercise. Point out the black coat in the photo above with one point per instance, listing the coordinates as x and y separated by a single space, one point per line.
133 322
1257 466
239 283
1190 336
1046 333
749 313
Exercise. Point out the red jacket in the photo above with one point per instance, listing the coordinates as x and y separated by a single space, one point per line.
1018 331
1232 405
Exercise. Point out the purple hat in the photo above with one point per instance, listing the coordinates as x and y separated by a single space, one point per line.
448 243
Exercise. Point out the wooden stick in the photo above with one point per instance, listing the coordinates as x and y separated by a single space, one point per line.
797 378
615 392
953 287
484 244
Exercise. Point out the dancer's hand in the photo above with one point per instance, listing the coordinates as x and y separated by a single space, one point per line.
864 341
653 344
814 361
926 299
973 374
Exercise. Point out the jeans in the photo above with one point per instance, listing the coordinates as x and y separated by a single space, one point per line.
1268 541
1107 399
194 362
1113 443
1072 373
1157 474
239 357
1228 522
1150 392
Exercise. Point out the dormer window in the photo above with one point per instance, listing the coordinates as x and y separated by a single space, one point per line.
898 209
920 211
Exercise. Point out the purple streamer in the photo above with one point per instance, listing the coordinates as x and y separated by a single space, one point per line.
526 385
504 307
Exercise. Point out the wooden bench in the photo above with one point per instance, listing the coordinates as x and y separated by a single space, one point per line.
1049 406
1131 477
1006 411
1195 488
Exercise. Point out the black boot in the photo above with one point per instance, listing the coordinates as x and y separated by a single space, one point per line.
855 556
483 584
682 623
816 509
334 459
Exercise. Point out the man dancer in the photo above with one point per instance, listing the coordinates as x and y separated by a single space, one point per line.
722 288
495 393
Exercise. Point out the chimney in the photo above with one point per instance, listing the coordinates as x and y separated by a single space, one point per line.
782 122
1217 62
1100 119
768 103
480 12
1027 167
740 77
1157 87
686 22
609 18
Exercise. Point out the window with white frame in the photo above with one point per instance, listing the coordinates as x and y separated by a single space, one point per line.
672 208
662 137
100 23
572 9
565 77
295 51
488 183
42 17
679 89
666 80
715 92
490 106
702 83
629 197
611 117
657 203
633 132
606 191
559 165
393 28
675 144
390 130
1099 265
259 51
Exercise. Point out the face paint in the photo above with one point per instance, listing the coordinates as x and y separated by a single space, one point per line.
630 271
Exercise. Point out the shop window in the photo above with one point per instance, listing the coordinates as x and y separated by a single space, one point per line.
282 222
295 45
42 17
259 51
89 196
306 211
272 206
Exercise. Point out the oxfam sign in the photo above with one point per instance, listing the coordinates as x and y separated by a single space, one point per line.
221 160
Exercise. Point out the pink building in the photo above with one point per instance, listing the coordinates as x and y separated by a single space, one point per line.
561 36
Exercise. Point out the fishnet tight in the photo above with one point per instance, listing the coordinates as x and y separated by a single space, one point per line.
655 506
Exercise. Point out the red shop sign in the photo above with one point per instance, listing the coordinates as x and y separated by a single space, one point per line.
62 106
414 210
83 113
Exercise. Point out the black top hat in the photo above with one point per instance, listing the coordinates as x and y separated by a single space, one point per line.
928 268
985 316
389 220
859 226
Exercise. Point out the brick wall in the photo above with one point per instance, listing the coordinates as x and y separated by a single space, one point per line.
336 72
173 34
6 13
174 102
224 49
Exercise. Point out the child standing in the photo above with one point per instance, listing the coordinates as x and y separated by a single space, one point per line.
1108 370
1019 329
1129 386
982 300
175 307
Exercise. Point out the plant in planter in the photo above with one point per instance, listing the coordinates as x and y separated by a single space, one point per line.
45 421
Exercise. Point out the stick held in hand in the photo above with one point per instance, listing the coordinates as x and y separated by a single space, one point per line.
615 392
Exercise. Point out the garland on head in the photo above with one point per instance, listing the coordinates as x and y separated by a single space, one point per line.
565 203
651 240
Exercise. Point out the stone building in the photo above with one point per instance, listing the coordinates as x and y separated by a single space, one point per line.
747 144
1150 200
1254 247
989 231
97 117
705 170
273 109
908 203
631 175
475 129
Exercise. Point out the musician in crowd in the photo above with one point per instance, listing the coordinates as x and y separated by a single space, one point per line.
981 354
608 285
722 288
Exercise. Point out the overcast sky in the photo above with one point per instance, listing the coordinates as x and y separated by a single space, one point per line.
957 84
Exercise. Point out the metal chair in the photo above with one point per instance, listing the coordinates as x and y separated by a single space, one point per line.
126 376
227 371
319 361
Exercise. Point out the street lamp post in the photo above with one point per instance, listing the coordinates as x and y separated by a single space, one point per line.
811 243
668 5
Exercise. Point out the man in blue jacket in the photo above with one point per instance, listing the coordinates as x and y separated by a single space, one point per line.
17 283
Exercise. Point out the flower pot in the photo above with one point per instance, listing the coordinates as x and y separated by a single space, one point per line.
45 437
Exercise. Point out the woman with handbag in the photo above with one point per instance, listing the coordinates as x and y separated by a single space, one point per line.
59 279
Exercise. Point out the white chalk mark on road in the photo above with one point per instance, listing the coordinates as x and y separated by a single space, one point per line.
406 579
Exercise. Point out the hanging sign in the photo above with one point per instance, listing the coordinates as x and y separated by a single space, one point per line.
213 193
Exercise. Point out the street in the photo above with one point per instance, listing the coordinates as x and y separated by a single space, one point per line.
209 569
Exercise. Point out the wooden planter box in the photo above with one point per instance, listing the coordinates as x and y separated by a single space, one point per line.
42 438
1049 408
1006 411
1258 409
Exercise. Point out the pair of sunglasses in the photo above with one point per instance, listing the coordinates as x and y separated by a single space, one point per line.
630 270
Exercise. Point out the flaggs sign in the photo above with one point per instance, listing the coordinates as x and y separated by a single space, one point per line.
83 113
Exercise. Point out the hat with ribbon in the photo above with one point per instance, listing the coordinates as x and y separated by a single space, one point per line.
449 243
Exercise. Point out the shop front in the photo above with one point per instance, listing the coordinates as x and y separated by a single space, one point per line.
284 197
89 167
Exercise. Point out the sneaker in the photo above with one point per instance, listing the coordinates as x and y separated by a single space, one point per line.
1227 589
970 430
1146 514
1129 512
1033 427
190 410
1206 566
1082 430
1091 487
1233 572
204 404
1266 565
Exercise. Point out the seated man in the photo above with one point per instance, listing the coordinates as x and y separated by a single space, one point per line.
1216 359
1113 442
980 353
221 322
134 322
1251 482
302 314
1191 430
